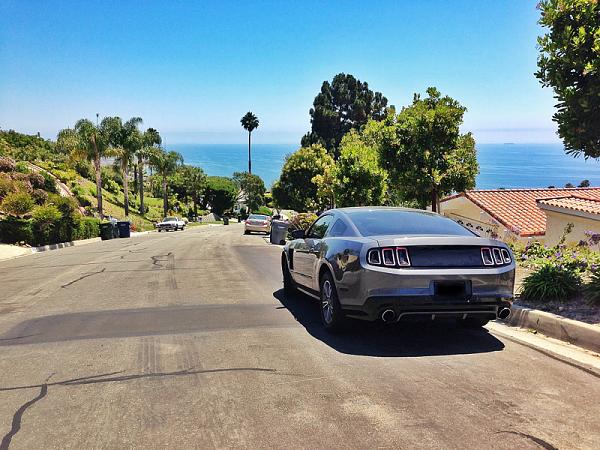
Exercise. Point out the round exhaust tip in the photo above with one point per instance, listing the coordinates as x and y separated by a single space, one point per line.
388 315
504 313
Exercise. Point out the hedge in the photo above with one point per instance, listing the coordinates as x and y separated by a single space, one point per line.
13 230
43 232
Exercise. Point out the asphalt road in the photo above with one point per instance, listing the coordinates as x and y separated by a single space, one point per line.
185 340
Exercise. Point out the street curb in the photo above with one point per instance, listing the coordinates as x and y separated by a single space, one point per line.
45 248
572 331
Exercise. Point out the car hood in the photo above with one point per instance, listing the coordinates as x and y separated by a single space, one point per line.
385 241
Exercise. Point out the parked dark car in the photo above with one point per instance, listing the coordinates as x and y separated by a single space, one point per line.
395 264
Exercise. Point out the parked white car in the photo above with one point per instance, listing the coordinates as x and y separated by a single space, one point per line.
170 223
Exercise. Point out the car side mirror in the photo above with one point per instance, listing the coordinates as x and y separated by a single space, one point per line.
298 234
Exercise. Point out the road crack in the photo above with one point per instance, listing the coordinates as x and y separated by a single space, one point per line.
18 416
82 277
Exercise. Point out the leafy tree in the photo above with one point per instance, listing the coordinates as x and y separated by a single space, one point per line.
252 187
359 180
423 151
250 123
190 183
297 188
584 184
569 62
151 139
88 142
342 105
220 193
165 163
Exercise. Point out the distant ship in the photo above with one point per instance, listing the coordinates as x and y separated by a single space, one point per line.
509 143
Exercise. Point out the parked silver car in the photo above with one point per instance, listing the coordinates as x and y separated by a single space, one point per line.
397 264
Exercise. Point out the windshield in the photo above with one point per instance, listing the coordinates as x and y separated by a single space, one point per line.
385 222
257 217
170 219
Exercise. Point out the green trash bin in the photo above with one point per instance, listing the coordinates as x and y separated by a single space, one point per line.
106 230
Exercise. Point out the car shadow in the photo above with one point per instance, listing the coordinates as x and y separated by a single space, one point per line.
401 340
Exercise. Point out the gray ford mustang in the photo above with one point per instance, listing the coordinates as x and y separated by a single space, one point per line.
394 264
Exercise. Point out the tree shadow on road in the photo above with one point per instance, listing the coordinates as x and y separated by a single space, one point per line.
378 339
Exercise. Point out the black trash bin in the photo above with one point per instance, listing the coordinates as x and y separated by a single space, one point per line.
106 230
124 229
225 220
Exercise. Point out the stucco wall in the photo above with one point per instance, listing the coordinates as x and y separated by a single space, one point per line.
557 221
463 209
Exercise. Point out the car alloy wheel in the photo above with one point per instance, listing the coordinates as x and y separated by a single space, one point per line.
331 312
326 302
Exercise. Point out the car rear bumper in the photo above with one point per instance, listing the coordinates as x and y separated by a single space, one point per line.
428 308
413 293
258 228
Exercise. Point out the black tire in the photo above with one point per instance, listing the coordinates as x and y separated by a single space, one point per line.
289 287
246 232
332 315
472 322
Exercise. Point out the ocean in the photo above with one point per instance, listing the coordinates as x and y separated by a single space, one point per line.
500 165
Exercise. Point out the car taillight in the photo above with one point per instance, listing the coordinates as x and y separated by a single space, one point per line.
506 256
402 257
388 257
486 256
374 257
495 256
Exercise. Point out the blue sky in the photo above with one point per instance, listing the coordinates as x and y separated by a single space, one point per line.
191 69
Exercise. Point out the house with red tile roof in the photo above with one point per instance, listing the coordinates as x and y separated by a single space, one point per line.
524 214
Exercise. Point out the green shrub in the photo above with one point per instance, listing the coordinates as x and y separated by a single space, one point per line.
84 168
301 221
44 224
69 220
49 182
111 186
7 164
22 167
551 283
264 210
6 185
89 227
13 230
17 203
591 290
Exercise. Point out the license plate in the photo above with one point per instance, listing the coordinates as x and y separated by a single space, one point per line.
455 289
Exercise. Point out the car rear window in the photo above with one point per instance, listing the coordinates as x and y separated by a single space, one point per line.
257 217
385 222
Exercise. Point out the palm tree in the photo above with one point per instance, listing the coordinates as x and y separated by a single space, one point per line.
126 141
150 139
88 142
250 123
165 163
